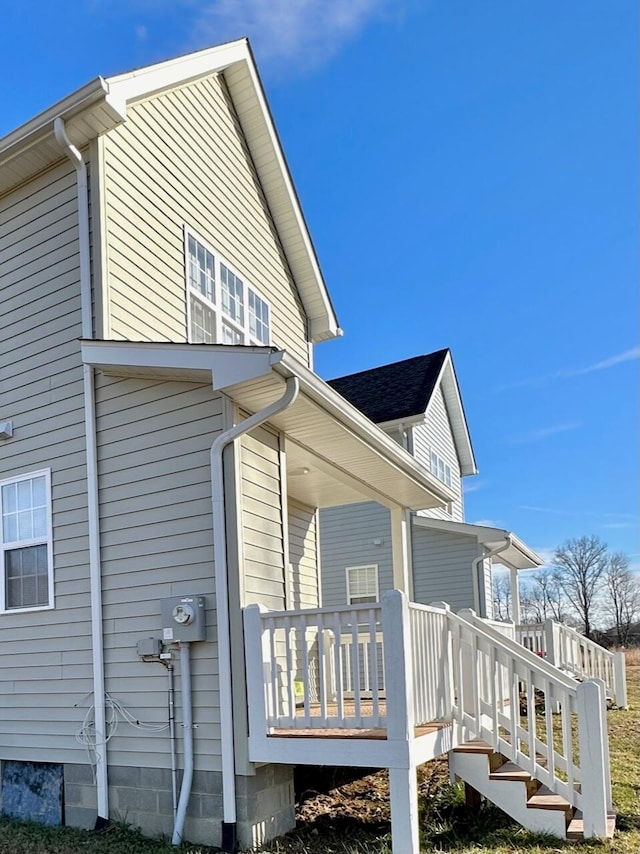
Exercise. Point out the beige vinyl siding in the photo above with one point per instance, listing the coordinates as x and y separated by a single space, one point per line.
45 668
156 525
442 568
181 158
262 519
347 537
436 434
303 559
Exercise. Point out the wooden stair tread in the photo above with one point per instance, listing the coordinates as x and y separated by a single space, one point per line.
476 745
511 771
575 829
545 799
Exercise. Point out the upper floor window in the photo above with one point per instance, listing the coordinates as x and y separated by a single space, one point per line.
222 307
438 467
25 542
362 584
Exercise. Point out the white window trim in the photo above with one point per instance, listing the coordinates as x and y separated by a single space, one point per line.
350 569
216 307
39 541
445 464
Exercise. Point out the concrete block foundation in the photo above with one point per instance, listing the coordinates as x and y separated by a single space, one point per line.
142 797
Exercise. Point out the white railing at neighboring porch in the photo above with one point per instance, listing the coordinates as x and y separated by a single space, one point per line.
575 654
532 723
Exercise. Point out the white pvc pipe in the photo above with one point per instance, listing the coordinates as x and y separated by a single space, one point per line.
187 744
95 574
222 589
474 569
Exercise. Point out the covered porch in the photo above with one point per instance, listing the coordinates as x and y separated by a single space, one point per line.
496 545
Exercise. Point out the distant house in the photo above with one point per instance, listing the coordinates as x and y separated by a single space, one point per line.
165 447
417 401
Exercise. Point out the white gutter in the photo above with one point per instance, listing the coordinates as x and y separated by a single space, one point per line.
222 602
95 574
476 563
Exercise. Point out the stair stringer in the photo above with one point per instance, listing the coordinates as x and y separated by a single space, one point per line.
510 795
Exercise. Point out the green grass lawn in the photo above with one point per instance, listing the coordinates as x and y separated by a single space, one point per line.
446 824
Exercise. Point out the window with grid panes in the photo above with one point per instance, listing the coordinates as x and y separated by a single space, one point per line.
438 467
362 584
25 542
222 307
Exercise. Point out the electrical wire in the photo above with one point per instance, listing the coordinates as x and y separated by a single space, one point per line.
114 712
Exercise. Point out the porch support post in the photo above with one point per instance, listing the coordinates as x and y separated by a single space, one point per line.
400 548
515 596
403 789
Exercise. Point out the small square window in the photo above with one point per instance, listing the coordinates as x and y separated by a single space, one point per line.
362 584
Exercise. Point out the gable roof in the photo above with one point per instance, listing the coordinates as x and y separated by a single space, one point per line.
393 392
403 391
101 105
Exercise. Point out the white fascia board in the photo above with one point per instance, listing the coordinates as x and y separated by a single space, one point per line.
411 421
224 364
333 403
451 392
153 78
323 323
93 91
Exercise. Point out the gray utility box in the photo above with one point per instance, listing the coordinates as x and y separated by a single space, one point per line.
183 619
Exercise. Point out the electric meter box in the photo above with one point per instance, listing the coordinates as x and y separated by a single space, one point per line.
183 619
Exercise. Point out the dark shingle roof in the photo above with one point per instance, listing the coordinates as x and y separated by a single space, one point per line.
392 392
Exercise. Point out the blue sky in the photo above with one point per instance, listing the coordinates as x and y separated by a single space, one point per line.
468 171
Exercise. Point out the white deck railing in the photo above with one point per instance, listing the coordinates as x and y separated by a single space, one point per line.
575 654
533 724
396 665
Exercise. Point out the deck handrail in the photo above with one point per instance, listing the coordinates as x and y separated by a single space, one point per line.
576 654
547 747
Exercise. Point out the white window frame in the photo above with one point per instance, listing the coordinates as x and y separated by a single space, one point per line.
447 473
349 570
243 329
37 541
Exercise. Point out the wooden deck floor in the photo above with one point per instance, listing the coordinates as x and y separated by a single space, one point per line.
349 710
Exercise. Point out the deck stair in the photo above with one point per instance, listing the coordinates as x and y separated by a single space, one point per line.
517 792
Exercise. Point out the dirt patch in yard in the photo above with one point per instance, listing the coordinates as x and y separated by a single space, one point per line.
330 801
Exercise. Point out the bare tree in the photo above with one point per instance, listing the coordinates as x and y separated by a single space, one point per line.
501 597
580 564
544 598
623 600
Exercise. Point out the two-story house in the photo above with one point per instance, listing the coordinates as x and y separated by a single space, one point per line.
165 447
417 401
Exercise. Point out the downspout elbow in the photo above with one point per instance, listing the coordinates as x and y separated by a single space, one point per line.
508 541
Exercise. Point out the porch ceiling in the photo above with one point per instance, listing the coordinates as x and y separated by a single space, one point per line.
335 455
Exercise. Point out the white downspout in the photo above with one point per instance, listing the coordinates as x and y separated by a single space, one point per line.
222 602
476 563
95 574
